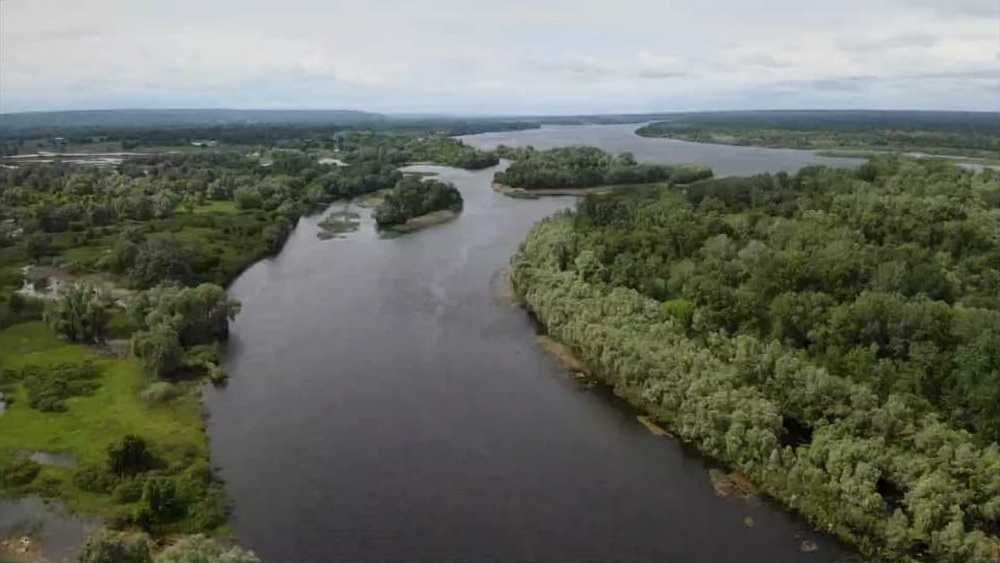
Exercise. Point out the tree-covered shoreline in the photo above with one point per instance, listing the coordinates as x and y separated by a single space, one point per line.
585 167
828 334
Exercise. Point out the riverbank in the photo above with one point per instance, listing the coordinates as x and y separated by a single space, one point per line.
523 193
423 221
798 432
868 153
797 429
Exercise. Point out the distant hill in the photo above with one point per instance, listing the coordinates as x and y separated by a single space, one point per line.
170 118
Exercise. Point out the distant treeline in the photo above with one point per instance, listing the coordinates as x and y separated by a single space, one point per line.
153 128
888 130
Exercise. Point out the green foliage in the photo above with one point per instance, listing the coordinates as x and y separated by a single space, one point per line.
978 376
413 197
80 314
171 319
129 456
160 392
772 323
105 546
449 152
19 309
158 349
93 422
128 491
49 387
200 549
160 260
680 310
582 167
93 479
248 198
18 472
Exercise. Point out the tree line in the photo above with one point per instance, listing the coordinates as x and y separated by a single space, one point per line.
584 167
832 333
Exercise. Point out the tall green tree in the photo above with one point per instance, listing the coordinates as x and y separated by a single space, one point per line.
80 314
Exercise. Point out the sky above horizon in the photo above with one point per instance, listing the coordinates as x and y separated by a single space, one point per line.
501 56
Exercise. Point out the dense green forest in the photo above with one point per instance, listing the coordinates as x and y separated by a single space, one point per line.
113 312
971 134
834 334
413 197
402 149
584 167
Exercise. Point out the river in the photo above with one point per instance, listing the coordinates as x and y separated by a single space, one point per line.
725 160
386 404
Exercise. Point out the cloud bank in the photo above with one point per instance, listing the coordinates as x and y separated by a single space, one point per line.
501 56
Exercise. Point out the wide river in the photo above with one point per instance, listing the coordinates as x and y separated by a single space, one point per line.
388 404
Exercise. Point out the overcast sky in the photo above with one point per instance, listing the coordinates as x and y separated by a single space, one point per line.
501 56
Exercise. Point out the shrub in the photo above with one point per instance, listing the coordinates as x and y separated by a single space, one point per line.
49 387
160 502
128 491
105 546
200 549
19 472
160 392
129 456
94 479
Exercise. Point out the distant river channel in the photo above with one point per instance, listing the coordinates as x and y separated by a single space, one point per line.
387 403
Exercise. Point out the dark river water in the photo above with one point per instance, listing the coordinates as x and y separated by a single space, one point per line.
725 160
387 405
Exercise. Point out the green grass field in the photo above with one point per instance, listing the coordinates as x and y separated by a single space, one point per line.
224 207
175 430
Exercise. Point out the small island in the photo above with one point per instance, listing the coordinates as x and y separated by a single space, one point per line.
415 203
578 170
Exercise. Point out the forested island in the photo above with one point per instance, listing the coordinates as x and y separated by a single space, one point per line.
574 168
414 203
113 312
834 335
955 135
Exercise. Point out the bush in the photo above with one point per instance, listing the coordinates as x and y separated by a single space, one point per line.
160 392
200 549
114 547
128 491
19 472
209 512
129 456
81 314
93 479
159 503
49 387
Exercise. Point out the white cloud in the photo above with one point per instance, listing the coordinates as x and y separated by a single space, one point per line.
509 56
